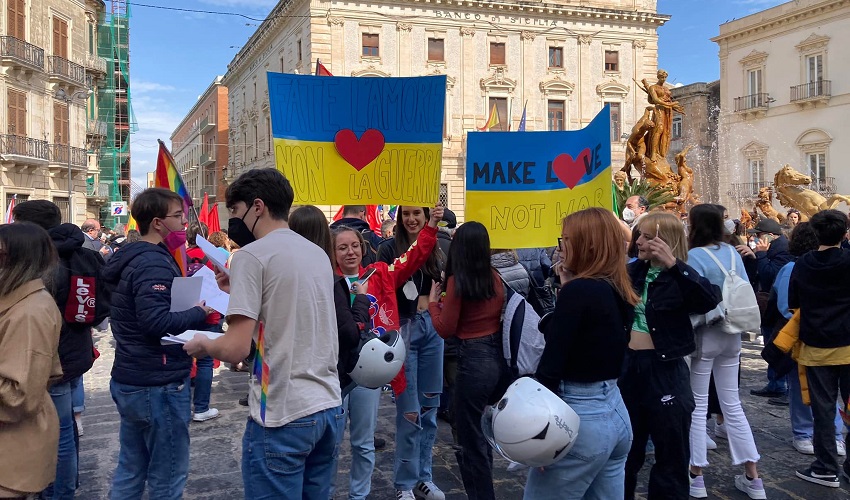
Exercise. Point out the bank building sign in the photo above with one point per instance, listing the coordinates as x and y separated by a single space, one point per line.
517 20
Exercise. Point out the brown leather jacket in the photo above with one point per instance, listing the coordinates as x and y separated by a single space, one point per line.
29 363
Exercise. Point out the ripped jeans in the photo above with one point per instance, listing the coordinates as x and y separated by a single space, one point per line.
423 369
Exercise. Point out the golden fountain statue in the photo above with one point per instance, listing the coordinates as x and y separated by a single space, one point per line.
790 194
649 143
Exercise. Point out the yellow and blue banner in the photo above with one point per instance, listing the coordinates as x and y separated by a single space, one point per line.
521 185
364 141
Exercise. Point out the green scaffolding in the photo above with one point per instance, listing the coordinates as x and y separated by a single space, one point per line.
114 106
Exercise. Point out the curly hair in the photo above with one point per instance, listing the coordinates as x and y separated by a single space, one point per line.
803 239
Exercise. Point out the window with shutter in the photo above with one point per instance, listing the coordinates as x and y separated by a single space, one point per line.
612 60
17 113
497 53
436 50
615 121
16 19
60 38
556 112
60 123
370 45
556 57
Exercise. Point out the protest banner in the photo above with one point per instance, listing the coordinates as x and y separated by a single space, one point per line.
363 141
520 185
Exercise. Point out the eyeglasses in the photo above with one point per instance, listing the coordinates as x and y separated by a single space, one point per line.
179 215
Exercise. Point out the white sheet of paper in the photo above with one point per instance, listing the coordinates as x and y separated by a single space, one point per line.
187 336
210 292
185 293
213 253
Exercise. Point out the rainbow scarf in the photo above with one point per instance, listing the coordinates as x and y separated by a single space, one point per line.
261 371
169 178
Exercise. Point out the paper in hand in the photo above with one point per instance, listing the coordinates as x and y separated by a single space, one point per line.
186 293
213 253
210 292
187 336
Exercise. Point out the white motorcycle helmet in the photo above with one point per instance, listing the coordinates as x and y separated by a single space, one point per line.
380 360
530 424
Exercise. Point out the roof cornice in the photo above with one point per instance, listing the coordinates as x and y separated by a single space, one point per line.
793 16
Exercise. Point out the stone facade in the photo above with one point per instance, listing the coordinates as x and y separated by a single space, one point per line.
44 49
785 98
554 60
698 129
199 144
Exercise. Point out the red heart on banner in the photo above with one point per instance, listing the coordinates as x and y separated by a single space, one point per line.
570 171
362 152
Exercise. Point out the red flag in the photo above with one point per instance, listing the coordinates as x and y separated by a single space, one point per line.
212 219
338 215
203 214
321 70
373 217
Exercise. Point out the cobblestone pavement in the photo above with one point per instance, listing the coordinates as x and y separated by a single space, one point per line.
216 445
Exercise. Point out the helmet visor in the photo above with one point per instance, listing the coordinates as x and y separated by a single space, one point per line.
487 429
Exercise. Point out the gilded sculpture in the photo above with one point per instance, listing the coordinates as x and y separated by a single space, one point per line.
791 193
764 204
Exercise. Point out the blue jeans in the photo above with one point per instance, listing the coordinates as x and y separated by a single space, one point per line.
78 395
595 466
65 484
203 377
361 409
154 440
423 369
294 461
802 422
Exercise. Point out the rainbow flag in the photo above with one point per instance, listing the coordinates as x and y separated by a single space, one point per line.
168 177
261 371
492 121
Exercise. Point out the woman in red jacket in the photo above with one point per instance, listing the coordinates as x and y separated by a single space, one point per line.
471 311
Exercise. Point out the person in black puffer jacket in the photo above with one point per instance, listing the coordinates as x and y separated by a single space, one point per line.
76 349
150 382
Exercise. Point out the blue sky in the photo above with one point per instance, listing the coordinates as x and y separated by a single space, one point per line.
176 55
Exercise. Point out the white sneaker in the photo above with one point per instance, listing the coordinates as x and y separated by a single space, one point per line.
709 443
427 490
404 495
804 446
697 488
78 421
720 431
842 450
207 415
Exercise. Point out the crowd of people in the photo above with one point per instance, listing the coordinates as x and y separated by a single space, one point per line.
642 340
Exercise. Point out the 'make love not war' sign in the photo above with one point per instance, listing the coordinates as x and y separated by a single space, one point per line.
522 184
342 140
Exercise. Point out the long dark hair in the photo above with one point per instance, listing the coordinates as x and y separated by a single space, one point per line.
469 262
706 225
26 253
311 223
434 265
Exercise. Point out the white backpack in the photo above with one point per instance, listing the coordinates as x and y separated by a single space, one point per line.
739 306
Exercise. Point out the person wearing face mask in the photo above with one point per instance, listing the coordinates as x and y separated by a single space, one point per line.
150 382
636 207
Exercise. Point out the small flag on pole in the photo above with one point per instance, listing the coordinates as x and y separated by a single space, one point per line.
9 217
167 176
321 70
521 127
492 121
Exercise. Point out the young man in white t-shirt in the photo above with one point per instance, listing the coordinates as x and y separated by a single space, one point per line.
281 297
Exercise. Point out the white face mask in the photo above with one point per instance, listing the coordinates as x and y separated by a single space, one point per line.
729 225
628 214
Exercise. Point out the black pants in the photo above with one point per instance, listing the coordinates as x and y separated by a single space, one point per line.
825 384
481 380
660 401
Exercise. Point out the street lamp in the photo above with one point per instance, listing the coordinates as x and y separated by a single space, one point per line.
63 96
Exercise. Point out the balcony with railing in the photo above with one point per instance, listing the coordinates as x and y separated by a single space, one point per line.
812 92
825 186
752 103
95 64
747 189
99 190
207 158
95 128
62 69
18 53
59 156
23 150
206 125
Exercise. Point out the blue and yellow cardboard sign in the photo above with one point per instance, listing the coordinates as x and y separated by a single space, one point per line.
520 185
342 140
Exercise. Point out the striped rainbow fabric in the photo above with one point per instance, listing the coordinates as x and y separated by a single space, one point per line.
169 178
261 371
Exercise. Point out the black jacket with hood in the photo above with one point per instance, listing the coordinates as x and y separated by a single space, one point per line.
75 340
820 288
142 274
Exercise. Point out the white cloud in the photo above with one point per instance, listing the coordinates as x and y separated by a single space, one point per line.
143 87
156 120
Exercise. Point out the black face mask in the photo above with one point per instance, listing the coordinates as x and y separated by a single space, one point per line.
238 231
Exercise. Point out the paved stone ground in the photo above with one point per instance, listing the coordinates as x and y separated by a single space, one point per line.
216 445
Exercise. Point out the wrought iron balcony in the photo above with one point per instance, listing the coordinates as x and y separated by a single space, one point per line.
747 189
61 68
824 186
752 102
18 52
59 155
95 128
23 150
820 90
95 64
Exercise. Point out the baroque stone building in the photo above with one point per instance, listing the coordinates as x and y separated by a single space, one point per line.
697 129
785 98
48 63
560 60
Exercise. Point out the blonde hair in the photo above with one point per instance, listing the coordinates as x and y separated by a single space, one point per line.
671 230
593 248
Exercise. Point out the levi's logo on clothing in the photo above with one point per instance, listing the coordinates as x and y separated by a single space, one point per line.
80 307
